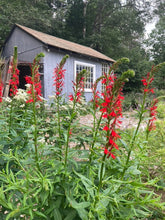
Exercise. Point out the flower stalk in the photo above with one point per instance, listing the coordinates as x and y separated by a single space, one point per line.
111 108
1 85
13 83
59 74
35 96
96 124
78 88
147 89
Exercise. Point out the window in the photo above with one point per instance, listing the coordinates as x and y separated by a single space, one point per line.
41 72
105 70
90 77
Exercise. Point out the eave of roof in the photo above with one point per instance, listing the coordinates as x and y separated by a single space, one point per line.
64 44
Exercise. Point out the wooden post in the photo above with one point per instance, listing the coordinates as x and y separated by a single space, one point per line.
6 77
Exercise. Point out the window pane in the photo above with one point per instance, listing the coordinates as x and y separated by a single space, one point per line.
90 74
105 69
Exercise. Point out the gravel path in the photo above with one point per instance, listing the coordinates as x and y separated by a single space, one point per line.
129 120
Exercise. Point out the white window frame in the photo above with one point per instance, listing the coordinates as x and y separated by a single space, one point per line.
104 69
86 65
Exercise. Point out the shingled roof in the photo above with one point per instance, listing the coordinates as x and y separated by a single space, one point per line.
64 44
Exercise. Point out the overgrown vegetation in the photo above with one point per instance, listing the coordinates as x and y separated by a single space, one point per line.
53 167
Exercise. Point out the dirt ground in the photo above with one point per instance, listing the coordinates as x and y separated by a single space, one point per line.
129 120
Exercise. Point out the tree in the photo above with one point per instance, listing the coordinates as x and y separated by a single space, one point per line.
109 26
106 25
156 43
35 14
75 21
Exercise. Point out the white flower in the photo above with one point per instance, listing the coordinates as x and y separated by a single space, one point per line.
7 99
21 95
28 86
43 99
51 96
46 105
64 107
22 106
42 140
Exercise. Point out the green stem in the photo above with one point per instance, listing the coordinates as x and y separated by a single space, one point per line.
101 173
11 116
68 135
35 122
135 135
35 135
78 78
95 132
59 126
147 132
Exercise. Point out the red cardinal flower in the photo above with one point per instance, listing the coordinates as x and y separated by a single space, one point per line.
14 72
59 73
111 109
78 87
34 81
147 82
153 113
96 96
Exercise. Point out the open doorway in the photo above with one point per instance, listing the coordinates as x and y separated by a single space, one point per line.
25 70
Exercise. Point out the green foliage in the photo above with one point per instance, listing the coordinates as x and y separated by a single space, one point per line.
36 14
161 109
48 187
157 45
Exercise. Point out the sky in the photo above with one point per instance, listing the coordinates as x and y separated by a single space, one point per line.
150 26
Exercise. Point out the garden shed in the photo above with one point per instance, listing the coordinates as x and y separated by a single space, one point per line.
31 42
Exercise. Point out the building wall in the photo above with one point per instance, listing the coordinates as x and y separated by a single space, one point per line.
27 46
52 58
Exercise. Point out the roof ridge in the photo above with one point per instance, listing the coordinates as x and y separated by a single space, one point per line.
64 44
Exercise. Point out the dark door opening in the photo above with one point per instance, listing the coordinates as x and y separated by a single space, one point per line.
25 70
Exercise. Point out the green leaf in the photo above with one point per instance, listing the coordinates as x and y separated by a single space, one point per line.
124 144
57 214
40 214
77 205
44 195
80 207
3 201
71 215
65 136
83 214
12 176
54 205
87 183
100 171
12 214
133 170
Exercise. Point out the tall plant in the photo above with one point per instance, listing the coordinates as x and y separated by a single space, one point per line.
147 89
111 110
13 83
35 96
58 75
